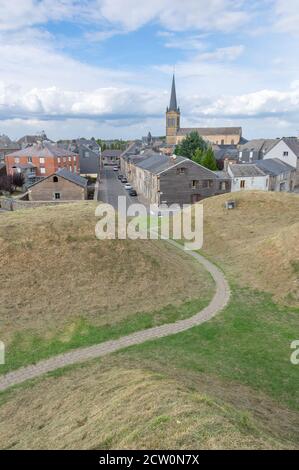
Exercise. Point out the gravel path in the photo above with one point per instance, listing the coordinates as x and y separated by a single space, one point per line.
218 302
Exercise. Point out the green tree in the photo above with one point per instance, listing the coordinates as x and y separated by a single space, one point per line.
198 155
208 160
190 144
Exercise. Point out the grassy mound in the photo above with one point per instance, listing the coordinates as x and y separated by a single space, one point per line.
110 405
58 280
258 242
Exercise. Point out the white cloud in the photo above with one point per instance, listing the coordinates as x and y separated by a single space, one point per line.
223 54
175 15
287 16
259 104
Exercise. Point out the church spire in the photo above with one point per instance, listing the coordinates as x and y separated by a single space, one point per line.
173 102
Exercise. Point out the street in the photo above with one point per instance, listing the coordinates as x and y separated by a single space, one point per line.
111 187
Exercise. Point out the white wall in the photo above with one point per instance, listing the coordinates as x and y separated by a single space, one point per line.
277 152
256 183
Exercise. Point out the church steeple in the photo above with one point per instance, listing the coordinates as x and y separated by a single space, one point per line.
173 101
172 116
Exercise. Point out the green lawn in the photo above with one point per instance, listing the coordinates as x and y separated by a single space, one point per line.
28 347
248 343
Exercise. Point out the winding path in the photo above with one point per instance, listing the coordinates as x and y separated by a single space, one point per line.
75 356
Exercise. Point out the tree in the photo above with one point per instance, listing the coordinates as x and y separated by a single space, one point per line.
198 156
208 160
6 183
18 180
190 144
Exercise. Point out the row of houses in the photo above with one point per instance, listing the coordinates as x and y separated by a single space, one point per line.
163 179
160 178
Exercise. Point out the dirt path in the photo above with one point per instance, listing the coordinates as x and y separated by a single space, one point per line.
218 302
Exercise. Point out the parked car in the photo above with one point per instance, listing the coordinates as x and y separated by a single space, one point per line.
120 177
128 186
133 192
115 168
124 180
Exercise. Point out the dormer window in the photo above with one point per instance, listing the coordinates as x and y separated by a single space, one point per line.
55 179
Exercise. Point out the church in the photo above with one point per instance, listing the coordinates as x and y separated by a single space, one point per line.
215 135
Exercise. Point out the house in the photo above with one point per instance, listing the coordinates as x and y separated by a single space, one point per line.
255 149
62 185
111 157
287 150
41 160
215 135
7 146
263 175
28 140
282 176
168 180
90 158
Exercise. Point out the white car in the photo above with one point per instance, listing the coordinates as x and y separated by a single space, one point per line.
128 186
115 168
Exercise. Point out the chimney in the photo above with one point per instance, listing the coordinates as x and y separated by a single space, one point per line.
226 163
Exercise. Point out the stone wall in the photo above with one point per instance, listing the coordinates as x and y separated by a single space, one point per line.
11 204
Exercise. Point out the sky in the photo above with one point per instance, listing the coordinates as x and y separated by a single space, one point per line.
103 68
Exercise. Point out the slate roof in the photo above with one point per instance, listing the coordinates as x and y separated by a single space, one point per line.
293 144
246 170
111 153
222 175
274 166
72 177
24 166
258 145
206 131
45 149
158 163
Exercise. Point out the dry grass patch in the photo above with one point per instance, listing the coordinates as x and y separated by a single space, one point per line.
110 405
54 272
258 242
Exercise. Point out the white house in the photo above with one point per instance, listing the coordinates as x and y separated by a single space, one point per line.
287 150
264 175
247 177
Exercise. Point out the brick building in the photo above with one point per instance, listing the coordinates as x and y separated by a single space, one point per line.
62 185
40 161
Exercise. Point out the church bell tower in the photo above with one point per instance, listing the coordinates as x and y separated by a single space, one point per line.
173 115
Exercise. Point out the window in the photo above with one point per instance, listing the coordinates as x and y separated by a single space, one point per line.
242 184
285 154
56 196
41 160
58 159
86 154
222 142
55 179
70 159
29 159
222 186
43 171
181 171
205 184
195 184
232 142
17 160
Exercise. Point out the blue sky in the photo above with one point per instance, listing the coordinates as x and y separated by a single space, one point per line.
103 67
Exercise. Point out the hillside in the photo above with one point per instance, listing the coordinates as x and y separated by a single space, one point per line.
62 287
228 383
127 407
258 242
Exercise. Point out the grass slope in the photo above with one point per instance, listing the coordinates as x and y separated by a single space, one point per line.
226 384
257 243
111 405
62 288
